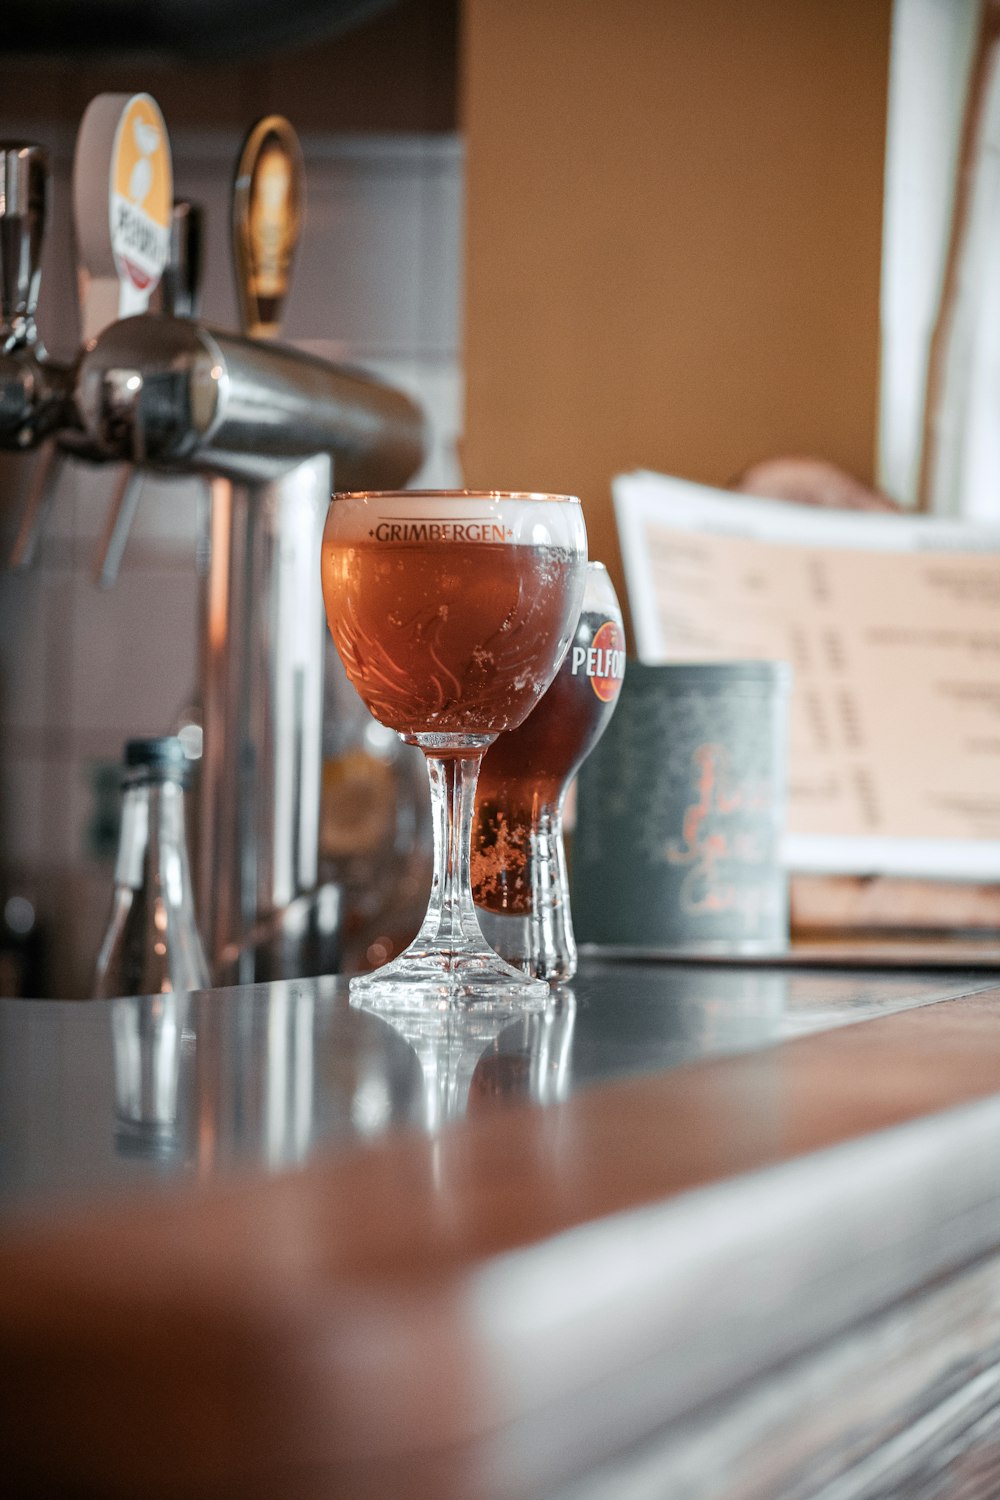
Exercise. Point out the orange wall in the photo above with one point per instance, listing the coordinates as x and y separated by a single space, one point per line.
674 221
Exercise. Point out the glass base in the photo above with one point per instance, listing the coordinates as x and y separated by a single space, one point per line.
441 981
540 947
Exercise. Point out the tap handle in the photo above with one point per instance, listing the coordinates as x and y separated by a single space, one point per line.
267 218
122 201
121 410
181 285
24 186
120 516
44 482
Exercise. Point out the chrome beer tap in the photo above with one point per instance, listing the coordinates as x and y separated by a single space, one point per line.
105 292
267 426
35 392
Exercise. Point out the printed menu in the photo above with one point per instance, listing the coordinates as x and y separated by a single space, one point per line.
892 626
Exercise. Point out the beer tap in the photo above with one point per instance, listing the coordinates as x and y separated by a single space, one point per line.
180 287
24 184
180 296
122 195
265 425
34 390
119 135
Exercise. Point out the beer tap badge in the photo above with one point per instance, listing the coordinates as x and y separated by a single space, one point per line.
603 661
142 194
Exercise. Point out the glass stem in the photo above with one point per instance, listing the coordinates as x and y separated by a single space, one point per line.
553 945
451 923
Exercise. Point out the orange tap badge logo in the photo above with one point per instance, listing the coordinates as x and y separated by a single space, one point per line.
142 194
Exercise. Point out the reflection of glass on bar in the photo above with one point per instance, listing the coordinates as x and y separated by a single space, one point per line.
148 1034
473 1060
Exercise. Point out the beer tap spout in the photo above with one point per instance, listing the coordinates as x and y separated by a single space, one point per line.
196 399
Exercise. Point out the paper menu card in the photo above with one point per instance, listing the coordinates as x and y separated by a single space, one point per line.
892 626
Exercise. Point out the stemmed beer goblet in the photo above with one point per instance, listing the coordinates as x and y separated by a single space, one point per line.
452 611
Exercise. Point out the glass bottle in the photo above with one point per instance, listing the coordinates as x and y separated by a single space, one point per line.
151 945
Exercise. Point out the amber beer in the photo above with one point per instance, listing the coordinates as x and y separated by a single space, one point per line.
525 774
447 623
452 611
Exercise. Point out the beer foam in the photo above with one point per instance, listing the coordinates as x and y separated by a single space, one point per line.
419 517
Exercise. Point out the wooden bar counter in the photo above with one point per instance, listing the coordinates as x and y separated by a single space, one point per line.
703 1230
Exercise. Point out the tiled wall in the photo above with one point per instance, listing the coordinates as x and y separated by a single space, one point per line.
376 284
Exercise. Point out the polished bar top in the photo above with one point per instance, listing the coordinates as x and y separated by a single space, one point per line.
502 1256
266 1075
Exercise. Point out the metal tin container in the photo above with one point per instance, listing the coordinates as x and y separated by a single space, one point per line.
681 812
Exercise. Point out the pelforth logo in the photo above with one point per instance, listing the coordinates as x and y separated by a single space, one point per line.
603 661
141 195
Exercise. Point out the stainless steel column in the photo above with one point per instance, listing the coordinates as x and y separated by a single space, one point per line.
262 709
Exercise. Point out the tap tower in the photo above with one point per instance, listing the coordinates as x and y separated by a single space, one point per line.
270 429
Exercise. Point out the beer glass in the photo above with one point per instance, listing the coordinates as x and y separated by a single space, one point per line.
518 858
451 611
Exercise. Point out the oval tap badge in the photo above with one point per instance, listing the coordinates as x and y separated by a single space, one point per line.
607 652
141 194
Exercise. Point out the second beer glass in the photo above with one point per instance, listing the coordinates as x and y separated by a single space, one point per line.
451 611
519 879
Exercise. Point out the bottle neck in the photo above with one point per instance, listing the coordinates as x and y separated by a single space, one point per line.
153 836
